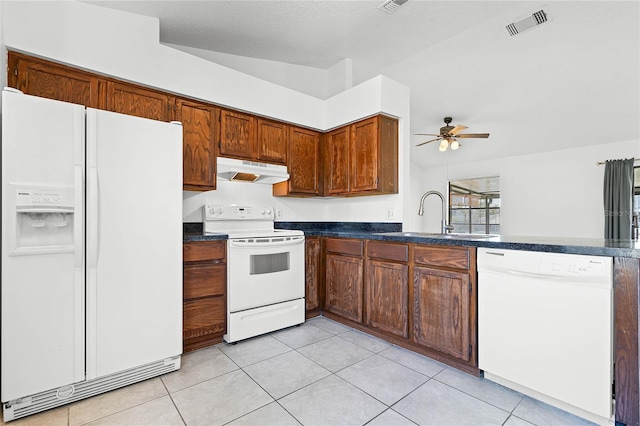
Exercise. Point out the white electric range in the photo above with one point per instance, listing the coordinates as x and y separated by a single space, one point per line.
265 270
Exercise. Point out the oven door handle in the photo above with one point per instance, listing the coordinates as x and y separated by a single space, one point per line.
293 241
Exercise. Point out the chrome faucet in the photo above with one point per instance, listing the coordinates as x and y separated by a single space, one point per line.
446 228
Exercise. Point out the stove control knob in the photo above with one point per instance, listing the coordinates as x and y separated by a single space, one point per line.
269 211
262 211
219 210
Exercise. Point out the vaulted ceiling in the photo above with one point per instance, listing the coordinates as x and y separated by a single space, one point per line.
573 81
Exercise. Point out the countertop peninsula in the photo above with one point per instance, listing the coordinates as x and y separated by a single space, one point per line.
392 232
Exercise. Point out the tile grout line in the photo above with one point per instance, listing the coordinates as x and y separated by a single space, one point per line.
479 399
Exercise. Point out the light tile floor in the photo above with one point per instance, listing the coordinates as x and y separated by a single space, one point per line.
320 373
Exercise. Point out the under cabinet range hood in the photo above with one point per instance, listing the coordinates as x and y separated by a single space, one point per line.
232 169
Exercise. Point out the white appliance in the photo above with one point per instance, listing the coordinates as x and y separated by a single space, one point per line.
91 251
265 270
545 327
233 169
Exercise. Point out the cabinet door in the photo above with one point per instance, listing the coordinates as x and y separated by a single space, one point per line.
364 153
336 160
344 286
388 155
134 100
272 141
198 142
49 80
312 270
441 311
204 280
304 162
237 134
386 297
203 319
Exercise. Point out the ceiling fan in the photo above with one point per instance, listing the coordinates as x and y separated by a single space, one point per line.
449 135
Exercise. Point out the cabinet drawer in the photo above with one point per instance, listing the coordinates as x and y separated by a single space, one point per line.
204 280
203 317
204 250
444 257
387 251
345 246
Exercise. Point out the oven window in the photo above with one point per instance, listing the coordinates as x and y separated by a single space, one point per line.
269 263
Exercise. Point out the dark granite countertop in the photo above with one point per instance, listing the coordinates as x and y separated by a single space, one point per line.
393 232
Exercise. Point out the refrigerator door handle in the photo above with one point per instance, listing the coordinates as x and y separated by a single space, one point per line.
92 219
92 272
77 220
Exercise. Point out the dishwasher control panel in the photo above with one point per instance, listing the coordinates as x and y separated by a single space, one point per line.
573 265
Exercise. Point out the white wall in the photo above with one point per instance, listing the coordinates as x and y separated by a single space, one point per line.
3 54
309 80
556 193
84 36
316 82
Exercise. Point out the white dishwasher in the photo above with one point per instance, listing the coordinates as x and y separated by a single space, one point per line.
545 327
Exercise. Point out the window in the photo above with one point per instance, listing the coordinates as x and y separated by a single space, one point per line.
474 205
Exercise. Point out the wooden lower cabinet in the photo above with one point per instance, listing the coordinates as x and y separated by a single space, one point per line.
344 277
204 294
626 340
444 303
440 311
313 292
421 297
386 288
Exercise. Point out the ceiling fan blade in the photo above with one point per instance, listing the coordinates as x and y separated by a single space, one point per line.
457 130
473 135
426 134
432 140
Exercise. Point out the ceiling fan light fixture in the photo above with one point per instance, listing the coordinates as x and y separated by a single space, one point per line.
443 145
455 144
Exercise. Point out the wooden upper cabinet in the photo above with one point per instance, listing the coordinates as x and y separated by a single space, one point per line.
198 144
129 99
272 141
237 134
303 164
50 80
336 161
387 155
362 158
247 137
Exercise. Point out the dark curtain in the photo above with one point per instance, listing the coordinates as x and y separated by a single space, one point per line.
618 198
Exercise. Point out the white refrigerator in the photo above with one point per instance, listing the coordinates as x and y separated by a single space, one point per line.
91 251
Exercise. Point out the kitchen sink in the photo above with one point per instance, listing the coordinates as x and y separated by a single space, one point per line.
451 236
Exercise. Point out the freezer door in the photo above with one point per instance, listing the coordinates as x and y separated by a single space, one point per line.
134 241
42 341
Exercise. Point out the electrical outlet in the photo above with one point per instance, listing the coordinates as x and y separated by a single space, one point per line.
278 213
390 214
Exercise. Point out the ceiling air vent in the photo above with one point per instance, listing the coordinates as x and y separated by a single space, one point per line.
539 17
391 6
